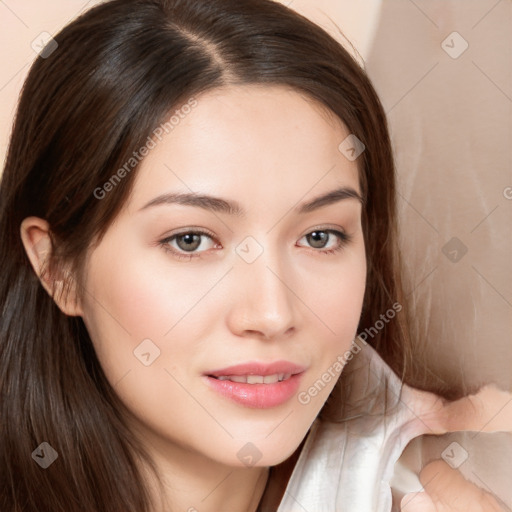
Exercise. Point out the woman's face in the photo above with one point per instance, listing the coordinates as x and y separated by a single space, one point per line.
270 284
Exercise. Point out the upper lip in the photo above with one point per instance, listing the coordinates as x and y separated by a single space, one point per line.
256 368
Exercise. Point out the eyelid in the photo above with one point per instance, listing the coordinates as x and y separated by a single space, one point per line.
164 243
325 227
340 233
343 237
192 229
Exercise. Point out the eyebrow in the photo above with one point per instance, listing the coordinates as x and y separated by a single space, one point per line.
218 204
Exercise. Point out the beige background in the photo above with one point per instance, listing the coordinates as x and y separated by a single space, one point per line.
450 115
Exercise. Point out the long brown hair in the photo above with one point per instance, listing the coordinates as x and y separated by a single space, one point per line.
118 71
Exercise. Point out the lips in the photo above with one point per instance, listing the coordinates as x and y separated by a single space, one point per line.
256 379
257 385
261 369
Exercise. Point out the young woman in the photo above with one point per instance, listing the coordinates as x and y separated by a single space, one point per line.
197 212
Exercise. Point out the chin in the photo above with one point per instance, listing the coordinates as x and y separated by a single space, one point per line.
266 451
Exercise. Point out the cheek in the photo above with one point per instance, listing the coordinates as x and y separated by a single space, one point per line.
143 298
126 305
342 301
334 294
336 302
148 316
176 308
129 311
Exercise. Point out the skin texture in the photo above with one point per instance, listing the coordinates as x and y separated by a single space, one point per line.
270 149
446 490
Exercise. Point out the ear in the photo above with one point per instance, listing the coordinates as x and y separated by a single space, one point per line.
35 235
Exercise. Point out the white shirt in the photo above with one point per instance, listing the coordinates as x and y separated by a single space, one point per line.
350 465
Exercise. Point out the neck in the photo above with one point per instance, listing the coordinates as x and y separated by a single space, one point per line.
189 481
277 481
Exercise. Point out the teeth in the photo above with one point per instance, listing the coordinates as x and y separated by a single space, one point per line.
238 378
256 379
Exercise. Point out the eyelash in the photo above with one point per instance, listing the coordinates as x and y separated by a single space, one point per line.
343 237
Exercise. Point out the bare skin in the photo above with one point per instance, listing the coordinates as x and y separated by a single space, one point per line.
445 489
271 150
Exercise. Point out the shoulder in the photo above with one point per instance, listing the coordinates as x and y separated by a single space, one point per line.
352 447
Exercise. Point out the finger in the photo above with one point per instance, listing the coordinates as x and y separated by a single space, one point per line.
417 502
440 480
448 488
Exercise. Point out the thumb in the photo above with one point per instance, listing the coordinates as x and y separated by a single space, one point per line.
417 502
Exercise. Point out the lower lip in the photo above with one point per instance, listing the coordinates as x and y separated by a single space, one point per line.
257 396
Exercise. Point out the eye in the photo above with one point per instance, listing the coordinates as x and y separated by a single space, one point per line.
186 244
323 239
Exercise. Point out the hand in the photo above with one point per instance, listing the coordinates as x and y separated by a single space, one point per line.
446 490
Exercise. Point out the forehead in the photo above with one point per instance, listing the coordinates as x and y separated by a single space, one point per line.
256 143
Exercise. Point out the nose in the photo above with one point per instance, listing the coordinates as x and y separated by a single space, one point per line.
263 303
